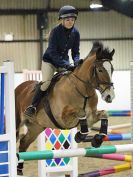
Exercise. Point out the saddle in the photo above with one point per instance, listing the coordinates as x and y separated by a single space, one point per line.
55 79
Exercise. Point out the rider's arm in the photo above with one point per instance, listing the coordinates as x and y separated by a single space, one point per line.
75 49
56 58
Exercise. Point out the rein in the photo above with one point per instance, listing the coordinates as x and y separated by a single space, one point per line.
80 79
98 82
85 97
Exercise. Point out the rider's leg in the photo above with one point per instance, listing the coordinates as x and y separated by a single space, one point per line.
47 74
48 71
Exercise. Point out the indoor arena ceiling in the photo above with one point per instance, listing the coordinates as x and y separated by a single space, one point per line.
123 6
14 7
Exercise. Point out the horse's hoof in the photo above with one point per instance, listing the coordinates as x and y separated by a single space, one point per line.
97 141
95 144
20 172
80 137
77 138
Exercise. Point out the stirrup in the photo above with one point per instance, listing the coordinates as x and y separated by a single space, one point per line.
30 111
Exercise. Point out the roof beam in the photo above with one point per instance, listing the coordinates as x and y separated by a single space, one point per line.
39 11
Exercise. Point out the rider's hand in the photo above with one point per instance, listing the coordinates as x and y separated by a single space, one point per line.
70 67
79 62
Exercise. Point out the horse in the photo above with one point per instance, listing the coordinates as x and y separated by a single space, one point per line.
72 97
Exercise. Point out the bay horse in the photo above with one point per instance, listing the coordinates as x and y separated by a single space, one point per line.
72 97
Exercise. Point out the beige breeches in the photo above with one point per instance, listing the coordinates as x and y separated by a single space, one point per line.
48 71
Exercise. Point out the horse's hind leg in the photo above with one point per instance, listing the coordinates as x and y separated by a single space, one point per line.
33 131
18 122
97 115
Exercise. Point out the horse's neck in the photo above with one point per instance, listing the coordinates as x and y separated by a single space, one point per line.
83 76
84 71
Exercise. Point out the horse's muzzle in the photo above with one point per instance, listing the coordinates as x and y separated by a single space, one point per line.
108 95
108 99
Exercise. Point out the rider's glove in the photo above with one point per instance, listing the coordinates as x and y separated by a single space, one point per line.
70 67
79 62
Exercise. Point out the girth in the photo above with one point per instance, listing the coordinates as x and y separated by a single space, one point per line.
46 103
47 109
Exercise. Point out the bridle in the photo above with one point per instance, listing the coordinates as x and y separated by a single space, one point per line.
95 77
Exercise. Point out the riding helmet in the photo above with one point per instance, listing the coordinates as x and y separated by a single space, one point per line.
67 11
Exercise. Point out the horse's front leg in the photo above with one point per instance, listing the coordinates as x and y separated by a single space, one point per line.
98 138
81 135
86 120
94 116
103 116
91 117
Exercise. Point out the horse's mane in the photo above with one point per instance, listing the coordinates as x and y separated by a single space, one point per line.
105 52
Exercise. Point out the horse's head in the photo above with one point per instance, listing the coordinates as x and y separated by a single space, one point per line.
102 70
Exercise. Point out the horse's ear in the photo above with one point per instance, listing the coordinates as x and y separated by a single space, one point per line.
98 53
112 53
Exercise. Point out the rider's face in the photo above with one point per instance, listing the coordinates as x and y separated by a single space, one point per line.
68 22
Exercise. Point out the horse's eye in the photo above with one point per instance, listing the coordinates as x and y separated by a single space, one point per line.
100 70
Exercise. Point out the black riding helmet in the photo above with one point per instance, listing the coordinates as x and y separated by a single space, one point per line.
67 11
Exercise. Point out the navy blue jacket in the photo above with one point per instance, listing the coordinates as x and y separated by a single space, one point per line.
60 41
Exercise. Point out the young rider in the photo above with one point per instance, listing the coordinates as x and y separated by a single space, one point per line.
62 38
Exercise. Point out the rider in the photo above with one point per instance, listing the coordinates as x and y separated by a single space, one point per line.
62 38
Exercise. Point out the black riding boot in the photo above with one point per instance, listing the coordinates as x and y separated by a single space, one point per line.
31 110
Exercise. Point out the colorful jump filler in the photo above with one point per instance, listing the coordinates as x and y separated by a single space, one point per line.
57 139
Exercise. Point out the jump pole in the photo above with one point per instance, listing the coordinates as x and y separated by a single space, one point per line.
112 137
118 137
112 131
118 157
114 128
119 113
120 126
50 154
107 171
